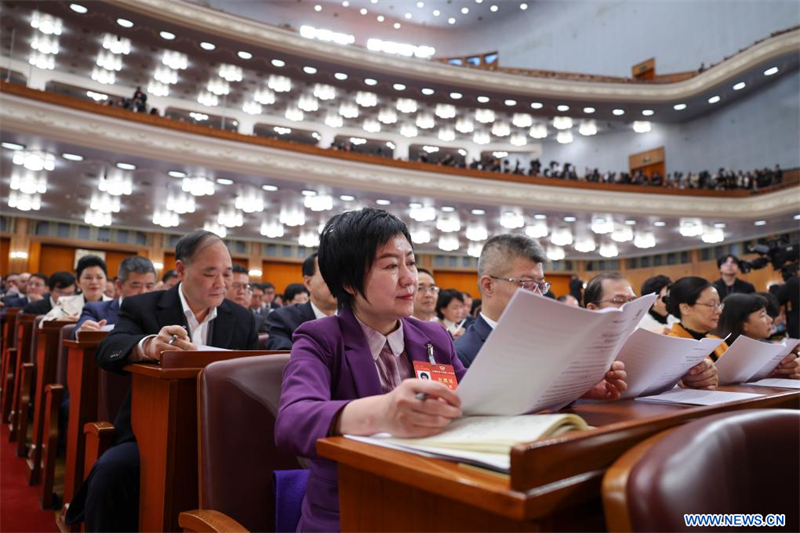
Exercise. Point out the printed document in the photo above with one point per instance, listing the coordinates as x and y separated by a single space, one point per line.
747 357
698 397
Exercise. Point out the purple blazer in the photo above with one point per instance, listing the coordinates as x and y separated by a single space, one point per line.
331 364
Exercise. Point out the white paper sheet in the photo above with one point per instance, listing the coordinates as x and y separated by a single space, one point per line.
698 397
544 354
780 383
107 327
747 356
656 362
206 348
767 369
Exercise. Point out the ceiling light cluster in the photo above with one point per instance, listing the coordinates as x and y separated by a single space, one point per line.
401 49
310 32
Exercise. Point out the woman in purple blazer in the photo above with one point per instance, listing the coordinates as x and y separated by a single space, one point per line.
353 373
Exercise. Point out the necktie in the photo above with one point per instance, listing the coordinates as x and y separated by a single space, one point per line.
387 369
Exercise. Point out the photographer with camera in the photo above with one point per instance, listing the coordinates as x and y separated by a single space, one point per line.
729 283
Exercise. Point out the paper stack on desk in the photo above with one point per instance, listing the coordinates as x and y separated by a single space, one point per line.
751 360
544 354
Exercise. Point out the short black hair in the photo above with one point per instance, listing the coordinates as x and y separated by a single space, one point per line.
445 297
309 268
737 308
40 276
137 264
655 284
257 286
685 291
724 258
239 269
773 305
348 245
594 289
187 246
292 290
169 274
563 297
61 280
88 261
267 285
424 271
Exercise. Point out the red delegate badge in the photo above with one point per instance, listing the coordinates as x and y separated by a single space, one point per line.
444 374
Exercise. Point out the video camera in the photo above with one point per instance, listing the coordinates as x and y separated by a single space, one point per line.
777 252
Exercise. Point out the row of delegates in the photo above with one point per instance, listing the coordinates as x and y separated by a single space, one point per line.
282 322
192 313
60 284
507 264
30 288
452 310
91 274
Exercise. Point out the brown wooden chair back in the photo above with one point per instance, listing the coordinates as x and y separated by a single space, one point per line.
63 353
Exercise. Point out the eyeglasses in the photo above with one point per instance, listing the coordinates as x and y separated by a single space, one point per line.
433 289
714 306
619 300
528 284
242 286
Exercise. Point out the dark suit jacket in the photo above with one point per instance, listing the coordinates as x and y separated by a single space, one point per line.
16 301
331 364
469 344
261 322
739 287
42 307
97 311
282 322
145 314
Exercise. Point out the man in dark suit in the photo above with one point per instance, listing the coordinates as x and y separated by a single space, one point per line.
60 284
282 322
191 314
136 275
35 290
729 283
241 292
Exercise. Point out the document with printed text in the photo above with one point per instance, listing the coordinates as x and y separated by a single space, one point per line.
748 357
698 397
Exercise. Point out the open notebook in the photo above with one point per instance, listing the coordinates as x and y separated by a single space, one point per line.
484 441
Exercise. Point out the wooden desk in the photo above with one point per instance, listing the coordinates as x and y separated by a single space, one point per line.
47 348
83 381
164 420
23 368
9 354
554 483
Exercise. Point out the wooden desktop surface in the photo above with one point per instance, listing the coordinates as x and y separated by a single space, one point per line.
554 483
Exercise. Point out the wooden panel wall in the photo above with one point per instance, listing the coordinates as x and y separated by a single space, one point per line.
559 283
54 258
5 249
282 274
169 262
459 280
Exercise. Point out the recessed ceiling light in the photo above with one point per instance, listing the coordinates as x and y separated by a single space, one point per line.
563 108
427 92
536 105
72 157
345 3
714 99
523 6
207 46
648 112
397 25
456 96
540 217
494 9
451 20
125 23
478 212
771 71
630 222
382 202
679 107
244 55
659 223
510 102
374 1
177 174
420 4
739 86
341 76
618 112
588 110
12 146
719 225
483 99
797 217
370 81
224 181
478 1
570 219
436 12
347 198
380 18
309 70
269 188
363 11
399 87
308 192
448 209
760 223
167 35
126 166
415 205
77 8
407 16
317 8
464 10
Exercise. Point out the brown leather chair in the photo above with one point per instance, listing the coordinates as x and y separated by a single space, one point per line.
237 404
745 462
